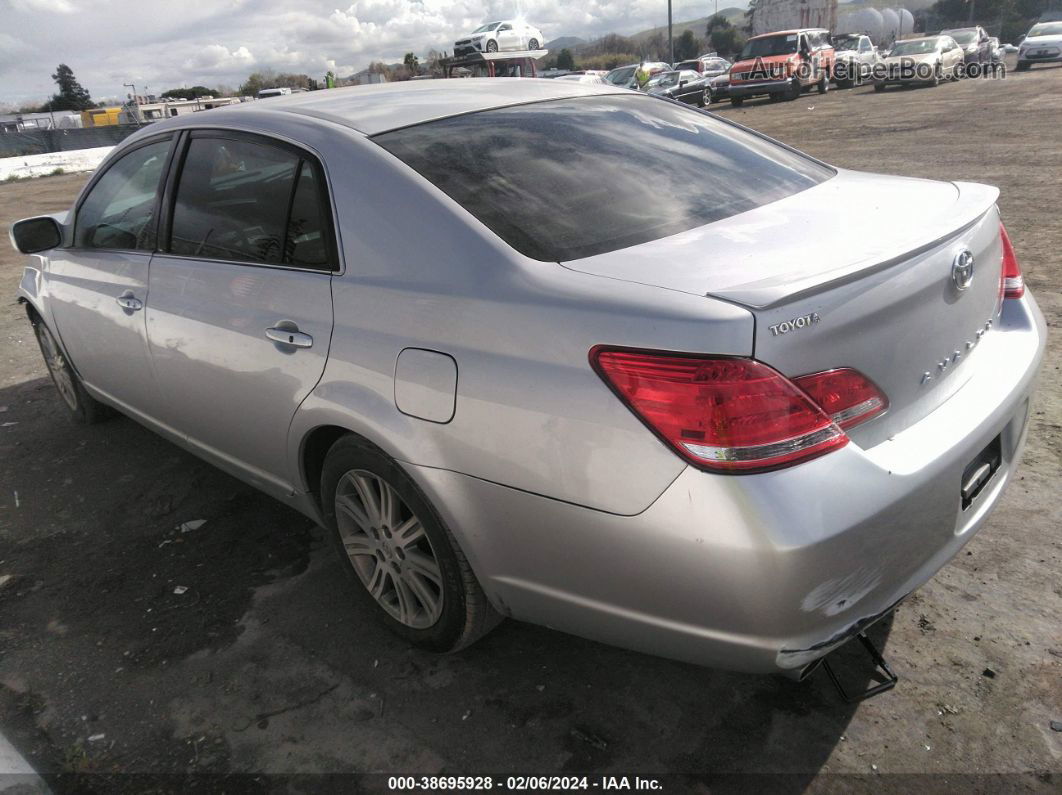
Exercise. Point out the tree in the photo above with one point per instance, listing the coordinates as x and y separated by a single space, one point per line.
71 96
565 60
412 63
687 46
267 78
723 37
654 47
191 92
435 62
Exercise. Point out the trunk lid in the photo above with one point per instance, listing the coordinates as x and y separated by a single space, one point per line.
855 272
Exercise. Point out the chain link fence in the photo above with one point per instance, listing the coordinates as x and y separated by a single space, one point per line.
38 142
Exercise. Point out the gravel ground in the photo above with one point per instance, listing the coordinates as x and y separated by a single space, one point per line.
261 666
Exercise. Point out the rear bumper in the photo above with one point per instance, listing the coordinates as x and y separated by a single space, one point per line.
761 573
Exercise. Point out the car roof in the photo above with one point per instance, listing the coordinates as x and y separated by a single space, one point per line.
789 32
378 108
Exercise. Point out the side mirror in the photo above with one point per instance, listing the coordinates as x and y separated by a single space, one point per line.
32 235
682 83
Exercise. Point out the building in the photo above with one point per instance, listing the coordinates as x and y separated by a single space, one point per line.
100 117
164 109
55 120
367 78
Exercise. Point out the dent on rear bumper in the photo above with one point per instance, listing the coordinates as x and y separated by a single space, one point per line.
765 572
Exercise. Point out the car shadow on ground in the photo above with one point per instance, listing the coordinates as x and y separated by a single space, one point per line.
243 635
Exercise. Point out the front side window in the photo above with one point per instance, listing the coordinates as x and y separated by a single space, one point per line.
571 178
245 201
119 210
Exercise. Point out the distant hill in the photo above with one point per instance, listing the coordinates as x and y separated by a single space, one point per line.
735 16
564 41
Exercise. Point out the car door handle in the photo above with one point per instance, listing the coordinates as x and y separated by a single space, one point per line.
129 301
289 336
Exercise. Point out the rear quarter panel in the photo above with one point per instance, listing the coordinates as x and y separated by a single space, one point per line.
530 412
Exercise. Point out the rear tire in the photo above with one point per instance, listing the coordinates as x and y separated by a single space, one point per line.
403 560
793 92
1024 66
879 86
82 408
824 83
737 102
533 44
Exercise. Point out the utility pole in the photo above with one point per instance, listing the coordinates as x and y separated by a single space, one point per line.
136 102
670 39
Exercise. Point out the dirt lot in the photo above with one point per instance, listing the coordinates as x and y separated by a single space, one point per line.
262 667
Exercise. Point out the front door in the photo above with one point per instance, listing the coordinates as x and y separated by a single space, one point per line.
240 316
508 39
98 287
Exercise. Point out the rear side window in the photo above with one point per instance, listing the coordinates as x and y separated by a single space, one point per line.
245 201
119 210
567 179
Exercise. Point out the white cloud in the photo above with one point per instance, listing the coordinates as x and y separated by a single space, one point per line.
218 58
53 6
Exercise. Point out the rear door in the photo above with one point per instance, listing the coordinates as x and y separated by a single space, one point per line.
241 313
98 286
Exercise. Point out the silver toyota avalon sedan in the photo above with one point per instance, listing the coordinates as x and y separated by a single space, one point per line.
560 352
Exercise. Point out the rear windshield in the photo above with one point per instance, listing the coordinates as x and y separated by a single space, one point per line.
571 178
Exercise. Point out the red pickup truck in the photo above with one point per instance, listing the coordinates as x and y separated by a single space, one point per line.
782 65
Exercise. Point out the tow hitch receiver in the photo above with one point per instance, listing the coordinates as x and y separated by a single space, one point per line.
881 671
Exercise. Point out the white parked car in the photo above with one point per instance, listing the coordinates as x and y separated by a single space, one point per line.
1042 45
855 59
509 35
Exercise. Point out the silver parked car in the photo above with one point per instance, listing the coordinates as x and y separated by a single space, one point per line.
438 318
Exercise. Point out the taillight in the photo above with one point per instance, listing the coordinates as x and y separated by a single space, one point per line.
1013 281
846 395
722 414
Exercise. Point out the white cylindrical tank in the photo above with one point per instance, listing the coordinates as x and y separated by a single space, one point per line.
890 25
906 22
865 20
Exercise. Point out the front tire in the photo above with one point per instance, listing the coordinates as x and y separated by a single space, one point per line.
82 408
404 562
824 83
1024 66
737 102
492 46
879 86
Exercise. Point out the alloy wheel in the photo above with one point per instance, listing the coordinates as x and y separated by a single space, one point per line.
58 367
389 549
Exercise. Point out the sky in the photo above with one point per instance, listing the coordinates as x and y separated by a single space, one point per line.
162 45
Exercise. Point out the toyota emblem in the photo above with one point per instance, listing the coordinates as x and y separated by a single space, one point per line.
962 269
